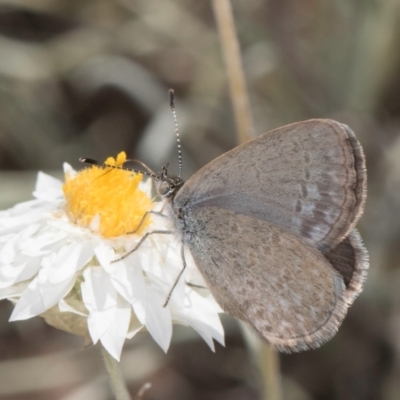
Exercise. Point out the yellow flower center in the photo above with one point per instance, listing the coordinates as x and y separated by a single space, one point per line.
111 195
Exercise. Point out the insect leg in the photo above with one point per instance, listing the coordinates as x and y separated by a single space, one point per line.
143 238
178 277
144 217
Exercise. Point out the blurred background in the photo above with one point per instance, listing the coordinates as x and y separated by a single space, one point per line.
90 78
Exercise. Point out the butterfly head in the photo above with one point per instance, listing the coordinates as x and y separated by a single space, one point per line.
168 185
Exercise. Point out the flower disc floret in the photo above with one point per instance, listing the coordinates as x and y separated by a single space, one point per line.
109 194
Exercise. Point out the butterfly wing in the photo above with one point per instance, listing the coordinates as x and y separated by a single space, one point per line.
307 178
286 289
350 259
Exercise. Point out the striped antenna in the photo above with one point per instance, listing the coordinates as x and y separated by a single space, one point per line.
178 140
95 162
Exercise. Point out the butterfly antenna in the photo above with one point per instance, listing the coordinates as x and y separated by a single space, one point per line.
149 170
178 140
100 164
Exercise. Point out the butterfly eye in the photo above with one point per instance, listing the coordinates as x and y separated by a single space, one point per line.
166 189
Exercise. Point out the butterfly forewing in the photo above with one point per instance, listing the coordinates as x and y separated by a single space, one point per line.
306 178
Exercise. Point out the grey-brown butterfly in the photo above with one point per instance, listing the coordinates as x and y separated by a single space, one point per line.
271 227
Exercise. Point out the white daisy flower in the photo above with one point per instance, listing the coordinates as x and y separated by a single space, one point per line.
58 257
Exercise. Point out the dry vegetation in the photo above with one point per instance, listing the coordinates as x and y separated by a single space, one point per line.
90 78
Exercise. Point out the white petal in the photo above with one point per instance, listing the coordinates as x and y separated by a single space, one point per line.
22 220
158 320
8 251
19 271
146 186
99 297
14 291
4 238
94 225
201 314
210 329
28 205
109 313
64 306
70 259
43 243
134 328
52 293
105 254
114 338
69 170
47 187
204 332
129 282
30 231
39 297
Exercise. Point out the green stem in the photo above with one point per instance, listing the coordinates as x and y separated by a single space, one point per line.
117 382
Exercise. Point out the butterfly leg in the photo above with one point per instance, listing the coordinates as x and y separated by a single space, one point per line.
178 277
144 237
159 213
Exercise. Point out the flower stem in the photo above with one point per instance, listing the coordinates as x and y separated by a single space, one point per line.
265 358
233 62
267 362
117 382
